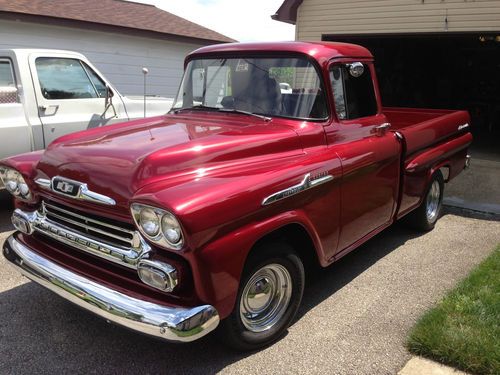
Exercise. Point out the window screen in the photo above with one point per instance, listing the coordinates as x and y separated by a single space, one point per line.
62 78
354 96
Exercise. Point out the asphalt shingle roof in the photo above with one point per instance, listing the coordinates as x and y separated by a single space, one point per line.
115 13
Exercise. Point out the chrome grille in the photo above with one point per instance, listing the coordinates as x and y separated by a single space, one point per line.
108 233
99 236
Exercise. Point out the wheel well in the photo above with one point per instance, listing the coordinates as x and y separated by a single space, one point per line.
298 238
445 171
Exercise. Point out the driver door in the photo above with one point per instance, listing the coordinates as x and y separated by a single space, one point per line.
71 96
369 153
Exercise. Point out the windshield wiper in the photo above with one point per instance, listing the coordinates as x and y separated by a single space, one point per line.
232 110
199 106
229 110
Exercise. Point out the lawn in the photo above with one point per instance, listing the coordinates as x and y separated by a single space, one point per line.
464 329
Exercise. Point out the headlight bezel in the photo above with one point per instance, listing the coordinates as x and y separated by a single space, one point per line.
15 183
160 238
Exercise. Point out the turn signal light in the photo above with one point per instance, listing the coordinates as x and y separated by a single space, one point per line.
159 275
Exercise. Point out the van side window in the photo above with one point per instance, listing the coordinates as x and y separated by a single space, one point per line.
8 91
354 96
62 78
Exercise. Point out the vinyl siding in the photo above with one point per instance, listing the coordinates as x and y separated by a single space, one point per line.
318 17
120 57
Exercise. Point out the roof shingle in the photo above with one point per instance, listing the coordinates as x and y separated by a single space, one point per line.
115 13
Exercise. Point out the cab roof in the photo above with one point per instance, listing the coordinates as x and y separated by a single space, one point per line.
320 51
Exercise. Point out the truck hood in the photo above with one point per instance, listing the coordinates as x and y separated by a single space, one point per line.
118 160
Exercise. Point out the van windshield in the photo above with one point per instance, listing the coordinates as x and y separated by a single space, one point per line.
285 87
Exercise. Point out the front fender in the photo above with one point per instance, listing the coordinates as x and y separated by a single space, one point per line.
218 267
26 165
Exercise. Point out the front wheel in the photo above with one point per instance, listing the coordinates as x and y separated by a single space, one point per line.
424 218
269 296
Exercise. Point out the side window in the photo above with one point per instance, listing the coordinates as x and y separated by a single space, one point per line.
62 78
8 91
98 83
6 74
353 92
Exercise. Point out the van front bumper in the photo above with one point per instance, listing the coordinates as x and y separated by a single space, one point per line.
177 324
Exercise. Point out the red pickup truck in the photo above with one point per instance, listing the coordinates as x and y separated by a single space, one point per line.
274 156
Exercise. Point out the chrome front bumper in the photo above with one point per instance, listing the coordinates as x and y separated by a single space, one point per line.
170 323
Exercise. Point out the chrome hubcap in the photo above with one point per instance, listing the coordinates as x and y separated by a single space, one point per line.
432 201
265 297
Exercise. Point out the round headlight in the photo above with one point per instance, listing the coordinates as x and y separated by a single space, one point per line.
10 180
15 183
171 228
11 186
150 222
24 190
158 225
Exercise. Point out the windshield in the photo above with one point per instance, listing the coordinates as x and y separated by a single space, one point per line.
280 86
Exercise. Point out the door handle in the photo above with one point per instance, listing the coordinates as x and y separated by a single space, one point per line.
43 110
380 130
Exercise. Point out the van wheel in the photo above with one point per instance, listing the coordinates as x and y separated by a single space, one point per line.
424 218
269 296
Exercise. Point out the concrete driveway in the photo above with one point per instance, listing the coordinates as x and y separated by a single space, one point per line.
354 319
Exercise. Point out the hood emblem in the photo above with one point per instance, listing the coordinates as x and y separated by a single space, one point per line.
73 189
65 187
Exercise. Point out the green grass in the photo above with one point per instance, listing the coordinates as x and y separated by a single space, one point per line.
464 329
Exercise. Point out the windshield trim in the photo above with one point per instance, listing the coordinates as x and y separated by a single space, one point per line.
267 54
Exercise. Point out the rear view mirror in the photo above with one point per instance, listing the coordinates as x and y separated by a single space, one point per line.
8 94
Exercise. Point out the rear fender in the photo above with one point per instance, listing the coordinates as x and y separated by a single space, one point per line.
219 265
419 170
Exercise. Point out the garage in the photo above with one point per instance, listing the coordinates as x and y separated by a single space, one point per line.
429 53
459 71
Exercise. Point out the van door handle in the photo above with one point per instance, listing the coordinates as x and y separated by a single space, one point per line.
382 129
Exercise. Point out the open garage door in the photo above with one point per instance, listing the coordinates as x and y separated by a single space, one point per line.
451 71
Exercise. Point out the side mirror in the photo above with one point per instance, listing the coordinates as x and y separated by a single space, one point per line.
8 94
108 102
109 95
356 69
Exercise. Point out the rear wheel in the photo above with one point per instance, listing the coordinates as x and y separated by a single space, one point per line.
424 218
269 296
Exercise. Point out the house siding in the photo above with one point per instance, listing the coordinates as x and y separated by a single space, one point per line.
120 57
319 17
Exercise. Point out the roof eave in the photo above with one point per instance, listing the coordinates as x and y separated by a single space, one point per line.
287 12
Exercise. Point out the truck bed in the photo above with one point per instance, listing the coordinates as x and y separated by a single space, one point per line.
423 128
433 138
